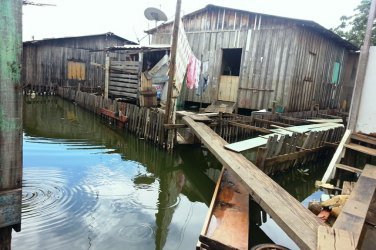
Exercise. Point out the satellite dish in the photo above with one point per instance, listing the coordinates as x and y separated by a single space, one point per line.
154 14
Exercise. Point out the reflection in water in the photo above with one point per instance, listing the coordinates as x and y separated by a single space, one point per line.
86 186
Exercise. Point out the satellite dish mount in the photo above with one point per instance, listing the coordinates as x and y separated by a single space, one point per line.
154 14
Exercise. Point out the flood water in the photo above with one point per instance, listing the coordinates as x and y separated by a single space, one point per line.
88 186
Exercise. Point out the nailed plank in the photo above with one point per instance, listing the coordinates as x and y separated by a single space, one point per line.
335 239
298 222
362 149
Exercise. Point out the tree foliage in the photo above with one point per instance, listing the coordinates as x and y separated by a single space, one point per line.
353 28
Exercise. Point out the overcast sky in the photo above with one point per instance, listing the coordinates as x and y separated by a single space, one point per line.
126 18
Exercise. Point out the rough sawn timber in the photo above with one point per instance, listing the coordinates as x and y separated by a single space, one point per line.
298 222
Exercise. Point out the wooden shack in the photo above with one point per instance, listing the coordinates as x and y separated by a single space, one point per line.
68 61
252 59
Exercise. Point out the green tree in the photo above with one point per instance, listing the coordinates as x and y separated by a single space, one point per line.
352 28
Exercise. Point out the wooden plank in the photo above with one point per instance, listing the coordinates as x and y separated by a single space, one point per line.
124 85
330 171
249 127
364 138
349 168
298 222
124 80
229 204
334 239
174 126
272 122
10 207
325 120
123 94
355 210
347 187
362 149
120 89
231 209
292 156
124 76
247 144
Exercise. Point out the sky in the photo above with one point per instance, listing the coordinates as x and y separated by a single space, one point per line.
126 18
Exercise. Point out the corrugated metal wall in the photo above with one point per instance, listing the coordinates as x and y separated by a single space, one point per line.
276 58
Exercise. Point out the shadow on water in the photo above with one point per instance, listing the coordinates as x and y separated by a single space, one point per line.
88 186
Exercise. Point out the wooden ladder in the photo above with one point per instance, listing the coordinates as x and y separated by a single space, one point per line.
359 143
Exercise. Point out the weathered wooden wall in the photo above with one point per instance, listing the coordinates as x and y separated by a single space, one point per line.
275 58
45 63
10 119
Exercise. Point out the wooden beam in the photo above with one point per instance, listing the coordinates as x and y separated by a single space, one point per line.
361 149
250 127
349 168
272 122
336 157
292 156
174 126
354 212
334 239
106 76
298 222
364 138
171 73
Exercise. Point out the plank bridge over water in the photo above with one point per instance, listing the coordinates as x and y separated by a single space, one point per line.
298 222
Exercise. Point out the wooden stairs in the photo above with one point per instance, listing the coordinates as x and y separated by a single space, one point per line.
355 226
351 144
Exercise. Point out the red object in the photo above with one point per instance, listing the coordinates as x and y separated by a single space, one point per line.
324 215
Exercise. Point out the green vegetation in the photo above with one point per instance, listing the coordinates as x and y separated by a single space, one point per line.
352 28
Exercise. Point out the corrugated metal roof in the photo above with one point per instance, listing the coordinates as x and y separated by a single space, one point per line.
137 47
304 23
78 37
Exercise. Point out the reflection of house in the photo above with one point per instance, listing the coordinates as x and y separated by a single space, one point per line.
254 59
67 61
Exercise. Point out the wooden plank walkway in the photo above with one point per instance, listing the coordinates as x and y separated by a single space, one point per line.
298 222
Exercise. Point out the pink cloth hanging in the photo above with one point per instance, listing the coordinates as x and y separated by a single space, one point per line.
191 72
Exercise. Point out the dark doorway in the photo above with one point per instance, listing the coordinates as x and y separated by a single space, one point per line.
231 59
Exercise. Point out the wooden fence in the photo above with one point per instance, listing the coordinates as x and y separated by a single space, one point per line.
283 152
146 123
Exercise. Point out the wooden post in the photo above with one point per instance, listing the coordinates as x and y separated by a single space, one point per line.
10 119
171 74
106 76
361 72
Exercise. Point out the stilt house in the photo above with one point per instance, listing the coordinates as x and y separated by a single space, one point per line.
253 59
68 61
